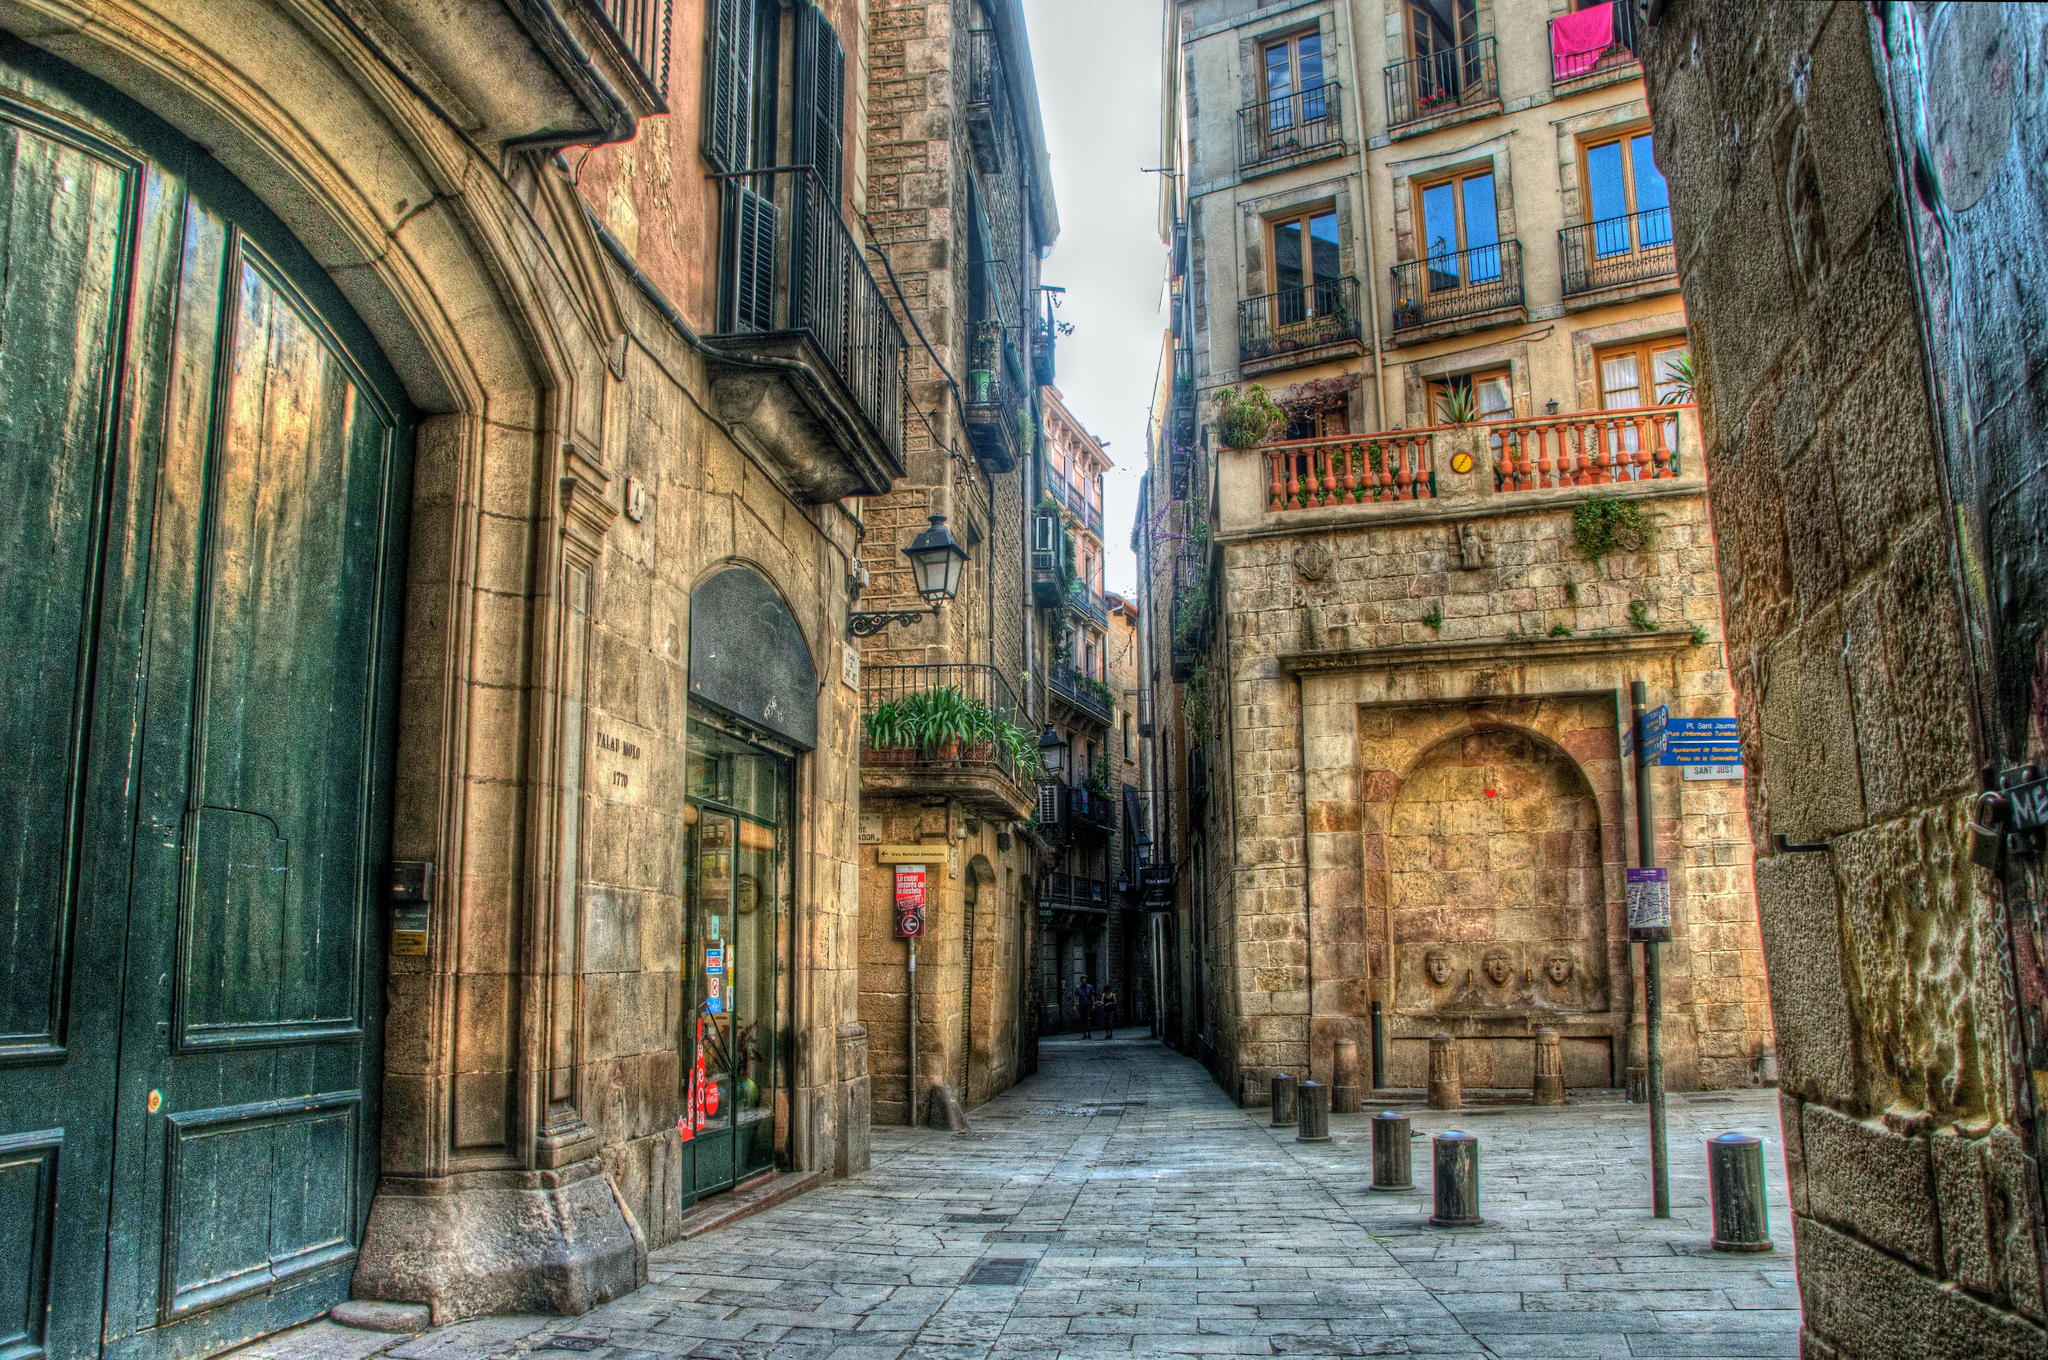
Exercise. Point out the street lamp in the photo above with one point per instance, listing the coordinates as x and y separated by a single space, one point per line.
1052 751
935 561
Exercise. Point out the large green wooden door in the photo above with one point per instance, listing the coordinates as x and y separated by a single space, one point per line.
201 467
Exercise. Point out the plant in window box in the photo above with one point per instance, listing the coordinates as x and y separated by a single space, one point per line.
889 739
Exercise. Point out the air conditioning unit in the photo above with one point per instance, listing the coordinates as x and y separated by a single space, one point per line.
1049 804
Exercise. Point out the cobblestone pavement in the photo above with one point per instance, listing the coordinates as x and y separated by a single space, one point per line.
1153 1217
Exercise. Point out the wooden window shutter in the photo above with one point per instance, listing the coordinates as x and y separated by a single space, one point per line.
729 85
820 111
749 275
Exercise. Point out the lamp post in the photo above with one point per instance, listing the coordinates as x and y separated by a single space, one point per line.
936 558
1052 752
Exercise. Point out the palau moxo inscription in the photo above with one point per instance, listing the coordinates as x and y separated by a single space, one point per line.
625 749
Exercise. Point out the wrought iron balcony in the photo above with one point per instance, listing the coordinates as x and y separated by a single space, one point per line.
979 770
1569 62
1618 251
1298 320
793 285
1454 285
1290 129
999 414
1070 494
1084 692
1088 603
1460 77
1073 890
985 99
1091 811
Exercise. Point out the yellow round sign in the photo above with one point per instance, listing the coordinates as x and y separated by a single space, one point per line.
1461 462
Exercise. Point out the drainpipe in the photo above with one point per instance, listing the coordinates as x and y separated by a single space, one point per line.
1368 265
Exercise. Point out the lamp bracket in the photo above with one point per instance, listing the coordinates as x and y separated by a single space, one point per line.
869 624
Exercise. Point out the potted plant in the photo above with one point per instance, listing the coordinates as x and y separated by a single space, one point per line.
1020 745
1246 421
981 371
939 720
889 739
984 730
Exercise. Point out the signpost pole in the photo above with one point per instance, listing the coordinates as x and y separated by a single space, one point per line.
1653 1022
910 1068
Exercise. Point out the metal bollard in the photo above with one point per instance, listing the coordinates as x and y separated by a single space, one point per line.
1549 1067
1392 1168
1313 1105
1446 1087
1457 1181
1344 1096
1735 1180
1283 1101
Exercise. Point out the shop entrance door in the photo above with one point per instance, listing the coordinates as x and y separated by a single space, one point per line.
733 1045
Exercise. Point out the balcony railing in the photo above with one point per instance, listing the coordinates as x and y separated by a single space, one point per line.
1455 284
1088 603
1083 692
1298 319
1070 494
1574 55
1617 250
997 406
981 685
1441 82
787 263
1307 474
1073 890
1300 126
1086 808
985 98
642 27
1587 448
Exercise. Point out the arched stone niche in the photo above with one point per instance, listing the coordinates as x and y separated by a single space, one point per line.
748 656
1495 882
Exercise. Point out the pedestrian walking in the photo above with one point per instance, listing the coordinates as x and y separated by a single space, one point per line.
1107 1005
1084 1006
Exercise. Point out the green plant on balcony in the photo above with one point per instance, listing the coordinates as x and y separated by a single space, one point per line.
1020 744
1097 781
942 724
1246 420
1677 381
981 370
1458 405
1026 427
1094 689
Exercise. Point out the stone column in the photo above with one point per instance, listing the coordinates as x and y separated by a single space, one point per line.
1549 1067
1446 1087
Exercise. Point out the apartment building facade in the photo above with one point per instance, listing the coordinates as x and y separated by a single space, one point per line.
1397 604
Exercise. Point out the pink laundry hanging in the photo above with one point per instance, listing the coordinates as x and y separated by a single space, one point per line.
1578 39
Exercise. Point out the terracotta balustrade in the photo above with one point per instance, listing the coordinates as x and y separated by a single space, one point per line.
1392 465
1585 448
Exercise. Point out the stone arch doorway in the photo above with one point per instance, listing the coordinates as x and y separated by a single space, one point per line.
1498 904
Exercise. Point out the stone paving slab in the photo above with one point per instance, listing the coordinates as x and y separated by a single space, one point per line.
1160 1220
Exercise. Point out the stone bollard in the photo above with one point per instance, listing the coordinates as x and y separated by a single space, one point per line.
1457 1181
1313 1105
1735 1180
1446 1087
1344 1097
1549 1067
1392 1168
1283 1101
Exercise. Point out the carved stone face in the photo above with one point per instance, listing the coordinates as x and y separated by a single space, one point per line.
1558 968
1499 967
1437 965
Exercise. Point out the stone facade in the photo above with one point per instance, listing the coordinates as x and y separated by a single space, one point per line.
1850 251
961 207
1391 684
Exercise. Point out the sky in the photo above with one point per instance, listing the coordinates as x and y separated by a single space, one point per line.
1098 88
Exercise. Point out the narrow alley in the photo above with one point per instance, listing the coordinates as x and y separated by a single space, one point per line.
1152 1217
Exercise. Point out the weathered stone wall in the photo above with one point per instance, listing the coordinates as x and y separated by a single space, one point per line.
1402 684
1916 1190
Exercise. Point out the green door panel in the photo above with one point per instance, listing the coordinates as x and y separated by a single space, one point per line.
203 464
66 260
